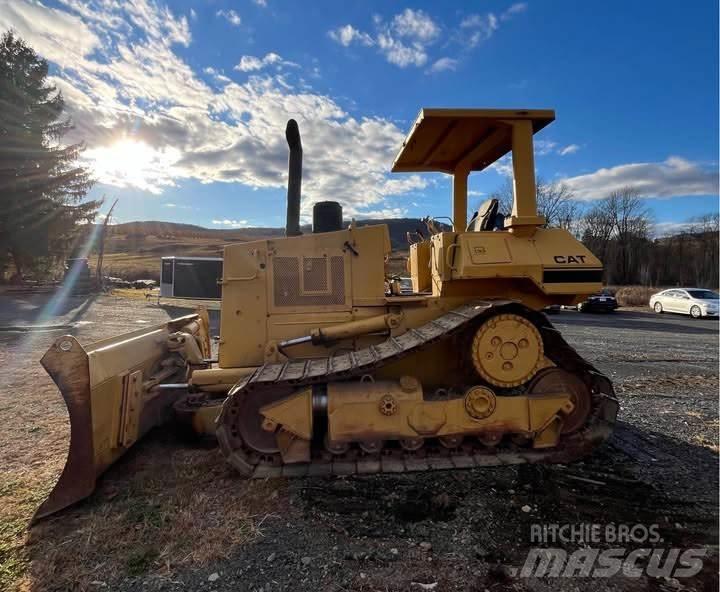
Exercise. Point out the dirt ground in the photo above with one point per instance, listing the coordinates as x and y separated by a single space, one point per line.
171 515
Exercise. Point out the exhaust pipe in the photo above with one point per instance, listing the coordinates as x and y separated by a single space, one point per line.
292 134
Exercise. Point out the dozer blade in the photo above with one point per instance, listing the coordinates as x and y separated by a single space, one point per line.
108 388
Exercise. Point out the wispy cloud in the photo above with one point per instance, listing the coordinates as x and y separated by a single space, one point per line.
671 178
231 223
514 9
660 229
407 38
444 64
348 35
544 147
230 16
477 28
250 63
569 149
403 40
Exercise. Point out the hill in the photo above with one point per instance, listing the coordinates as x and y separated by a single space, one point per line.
133 249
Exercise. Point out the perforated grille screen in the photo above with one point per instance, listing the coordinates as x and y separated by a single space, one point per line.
315 274
317 288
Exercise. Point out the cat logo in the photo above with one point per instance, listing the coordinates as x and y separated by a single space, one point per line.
569 259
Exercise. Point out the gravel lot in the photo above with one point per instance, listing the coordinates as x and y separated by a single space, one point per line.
454 530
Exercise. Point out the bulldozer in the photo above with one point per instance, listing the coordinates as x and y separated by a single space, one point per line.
323 367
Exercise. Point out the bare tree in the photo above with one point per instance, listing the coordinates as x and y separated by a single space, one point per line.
617 230
555 201
704 234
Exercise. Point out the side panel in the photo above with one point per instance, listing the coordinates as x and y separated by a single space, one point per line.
371 244
556 263
420 267
243 331
282 288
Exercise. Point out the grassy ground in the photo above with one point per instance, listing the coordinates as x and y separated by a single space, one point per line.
148 516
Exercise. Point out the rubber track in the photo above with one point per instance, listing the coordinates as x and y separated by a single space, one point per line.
294 374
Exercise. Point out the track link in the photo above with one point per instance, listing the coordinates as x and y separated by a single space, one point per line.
277 380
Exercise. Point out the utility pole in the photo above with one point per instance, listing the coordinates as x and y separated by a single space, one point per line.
101 246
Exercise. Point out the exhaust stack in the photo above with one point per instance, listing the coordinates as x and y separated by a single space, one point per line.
292 134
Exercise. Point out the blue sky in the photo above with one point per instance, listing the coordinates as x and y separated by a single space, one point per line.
182 105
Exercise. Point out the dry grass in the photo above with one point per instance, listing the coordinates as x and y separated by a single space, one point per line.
160 510
167 505
129 266
635 295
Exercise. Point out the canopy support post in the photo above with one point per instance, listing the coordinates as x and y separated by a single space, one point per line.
459 190
524 218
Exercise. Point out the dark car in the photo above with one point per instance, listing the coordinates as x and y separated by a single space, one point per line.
601 302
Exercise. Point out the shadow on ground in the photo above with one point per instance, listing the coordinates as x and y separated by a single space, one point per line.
42 309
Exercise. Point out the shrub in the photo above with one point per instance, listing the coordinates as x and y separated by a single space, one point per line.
635 295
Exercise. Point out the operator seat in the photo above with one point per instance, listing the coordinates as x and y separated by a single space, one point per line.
484 219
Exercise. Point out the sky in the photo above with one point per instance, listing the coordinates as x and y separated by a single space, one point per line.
182 105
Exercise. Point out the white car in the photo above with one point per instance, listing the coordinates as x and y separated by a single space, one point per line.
696 302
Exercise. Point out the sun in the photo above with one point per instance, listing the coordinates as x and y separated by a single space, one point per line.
132 163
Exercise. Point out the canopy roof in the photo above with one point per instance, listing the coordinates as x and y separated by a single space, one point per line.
442 139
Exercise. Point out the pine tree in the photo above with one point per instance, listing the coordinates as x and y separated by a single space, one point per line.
42 185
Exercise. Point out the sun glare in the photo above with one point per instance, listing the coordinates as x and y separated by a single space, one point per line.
130 163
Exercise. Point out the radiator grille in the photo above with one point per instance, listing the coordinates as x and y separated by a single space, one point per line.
316 289
315 274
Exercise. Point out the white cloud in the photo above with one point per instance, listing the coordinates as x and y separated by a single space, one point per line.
516 8
137 97
193 14
407 38
416 25
382 213
660 229
348 34
231 223
230 16
262 3
250 63
403 41
569 149
396 52
544 147
158 22
674 177
57 35
444 64
481 27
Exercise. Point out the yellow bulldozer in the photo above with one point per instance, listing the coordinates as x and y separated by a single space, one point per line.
324 367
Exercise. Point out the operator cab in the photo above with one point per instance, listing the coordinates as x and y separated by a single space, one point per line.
458 142
486 218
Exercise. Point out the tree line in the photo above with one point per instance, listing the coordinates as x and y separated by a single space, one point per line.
619 230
